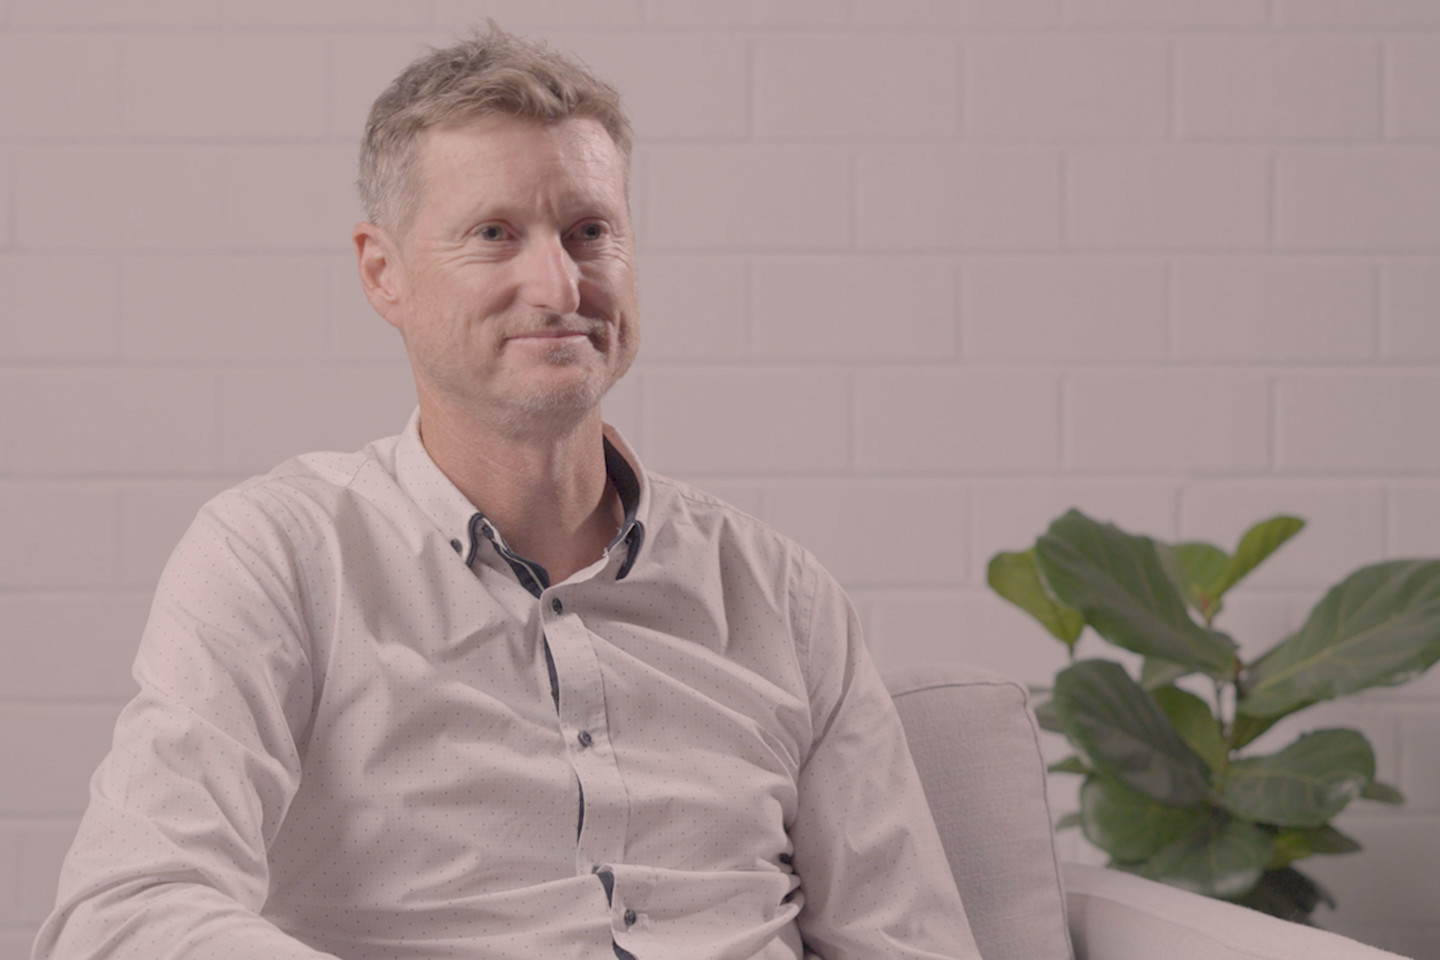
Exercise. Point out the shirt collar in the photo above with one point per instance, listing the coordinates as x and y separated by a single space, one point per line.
628 478
462 523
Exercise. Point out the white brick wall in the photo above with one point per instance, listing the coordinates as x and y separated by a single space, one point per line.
917 275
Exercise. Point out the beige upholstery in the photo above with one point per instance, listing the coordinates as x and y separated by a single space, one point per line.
978 755
976 746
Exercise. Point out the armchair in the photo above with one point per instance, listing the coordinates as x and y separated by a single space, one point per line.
976 745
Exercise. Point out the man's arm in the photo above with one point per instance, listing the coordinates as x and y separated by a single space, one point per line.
870 861
171 859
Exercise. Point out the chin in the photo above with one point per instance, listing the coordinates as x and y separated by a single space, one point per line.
555 410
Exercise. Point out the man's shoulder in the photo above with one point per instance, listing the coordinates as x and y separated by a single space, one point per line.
679 502
716 519
313 484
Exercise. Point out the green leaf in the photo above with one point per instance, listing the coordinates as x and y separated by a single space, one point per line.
1382 792
1222 857
1068 822
1303 785
1117 581
1294 843
1381 625
1016 577
1121 733
1128 825
1201 567
1046 717
1070 764
1288 894
1259 542
1204 563
1196 725
1246 728
1156 673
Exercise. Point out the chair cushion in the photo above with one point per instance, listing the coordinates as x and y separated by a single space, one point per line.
977 748
1123 917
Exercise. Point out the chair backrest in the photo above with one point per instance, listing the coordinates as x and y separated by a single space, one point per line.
977 747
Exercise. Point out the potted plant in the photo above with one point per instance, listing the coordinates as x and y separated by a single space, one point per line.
1171 791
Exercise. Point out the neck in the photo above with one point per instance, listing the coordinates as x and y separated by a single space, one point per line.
547 492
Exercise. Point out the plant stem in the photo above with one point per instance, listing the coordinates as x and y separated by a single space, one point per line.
1209 616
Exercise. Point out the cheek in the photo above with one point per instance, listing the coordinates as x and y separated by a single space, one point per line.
465 301
620 288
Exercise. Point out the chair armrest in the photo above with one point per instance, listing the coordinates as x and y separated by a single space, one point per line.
1119 916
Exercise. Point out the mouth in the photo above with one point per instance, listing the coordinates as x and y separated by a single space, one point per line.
551 335
558 335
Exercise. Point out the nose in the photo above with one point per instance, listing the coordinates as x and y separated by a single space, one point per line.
550 279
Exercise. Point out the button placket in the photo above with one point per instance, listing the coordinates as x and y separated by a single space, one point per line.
585 724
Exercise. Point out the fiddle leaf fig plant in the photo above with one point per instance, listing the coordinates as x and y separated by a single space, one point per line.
1173 788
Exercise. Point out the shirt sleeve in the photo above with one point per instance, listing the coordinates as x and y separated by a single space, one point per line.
872 869
170 860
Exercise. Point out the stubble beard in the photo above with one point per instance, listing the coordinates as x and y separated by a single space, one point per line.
554 410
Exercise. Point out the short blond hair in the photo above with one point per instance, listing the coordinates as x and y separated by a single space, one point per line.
491 72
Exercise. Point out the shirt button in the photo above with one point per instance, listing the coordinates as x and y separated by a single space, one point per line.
630 918
556 605
585 739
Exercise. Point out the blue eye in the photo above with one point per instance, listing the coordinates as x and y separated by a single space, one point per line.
491 232
590 231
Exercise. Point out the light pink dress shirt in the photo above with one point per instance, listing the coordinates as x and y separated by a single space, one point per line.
345 744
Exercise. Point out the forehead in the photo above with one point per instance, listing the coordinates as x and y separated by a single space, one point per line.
511 158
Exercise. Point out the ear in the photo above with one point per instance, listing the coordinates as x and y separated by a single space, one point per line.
381 276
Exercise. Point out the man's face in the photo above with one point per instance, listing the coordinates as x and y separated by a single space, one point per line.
515 288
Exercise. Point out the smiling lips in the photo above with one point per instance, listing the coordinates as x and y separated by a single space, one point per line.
552 333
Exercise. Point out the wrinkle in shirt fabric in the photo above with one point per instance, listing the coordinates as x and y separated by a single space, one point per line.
345 745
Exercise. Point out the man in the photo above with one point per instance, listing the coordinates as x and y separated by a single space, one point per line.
489 689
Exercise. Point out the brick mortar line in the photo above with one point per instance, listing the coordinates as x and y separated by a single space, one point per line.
39 819
1412 479
856 26
1059 251
1380 368
935 256
1036 143
96 704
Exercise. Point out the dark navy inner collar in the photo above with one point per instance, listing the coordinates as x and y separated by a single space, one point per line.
536 578
626 483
